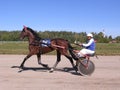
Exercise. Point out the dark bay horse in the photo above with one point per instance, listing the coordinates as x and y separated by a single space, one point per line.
39 46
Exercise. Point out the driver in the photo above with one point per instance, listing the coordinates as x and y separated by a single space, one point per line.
89 47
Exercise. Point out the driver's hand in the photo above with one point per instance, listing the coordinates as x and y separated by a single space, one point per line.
80 44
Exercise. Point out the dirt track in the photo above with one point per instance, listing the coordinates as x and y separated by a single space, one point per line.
105 77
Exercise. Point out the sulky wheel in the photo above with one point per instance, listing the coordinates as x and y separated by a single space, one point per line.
86 70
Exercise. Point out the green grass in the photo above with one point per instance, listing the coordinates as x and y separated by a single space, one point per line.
22 48
13 47
108 48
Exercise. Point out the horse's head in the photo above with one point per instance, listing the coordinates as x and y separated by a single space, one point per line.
28 32
24 33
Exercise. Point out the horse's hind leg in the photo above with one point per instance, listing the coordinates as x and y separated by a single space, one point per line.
71 61
39 61
56 63
66 54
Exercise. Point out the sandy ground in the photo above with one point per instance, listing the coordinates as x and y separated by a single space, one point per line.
105 77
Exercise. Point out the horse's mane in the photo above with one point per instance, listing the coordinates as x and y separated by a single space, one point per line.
34 33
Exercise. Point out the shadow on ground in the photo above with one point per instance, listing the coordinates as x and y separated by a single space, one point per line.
42 69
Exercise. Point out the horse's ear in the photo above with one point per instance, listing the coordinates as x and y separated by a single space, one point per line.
25 28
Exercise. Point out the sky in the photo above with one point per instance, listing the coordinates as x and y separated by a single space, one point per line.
62 15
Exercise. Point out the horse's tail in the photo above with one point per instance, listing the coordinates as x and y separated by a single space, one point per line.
70 48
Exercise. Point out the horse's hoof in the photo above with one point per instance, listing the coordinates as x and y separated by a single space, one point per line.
21 67
76 69
46 66
66 70
51 70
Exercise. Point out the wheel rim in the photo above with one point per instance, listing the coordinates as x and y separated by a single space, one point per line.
86 70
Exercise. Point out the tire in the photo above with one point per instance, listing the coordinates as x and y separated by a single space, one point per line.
86 70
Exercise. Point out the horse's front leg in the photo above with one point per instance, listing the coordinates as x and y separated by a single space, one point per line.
39 61
22 64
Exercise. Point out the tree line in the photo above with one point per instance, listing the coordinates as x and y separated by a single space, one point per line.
70 36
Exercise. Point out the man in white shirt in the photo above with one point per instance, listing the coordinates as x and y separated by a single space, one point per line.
89 47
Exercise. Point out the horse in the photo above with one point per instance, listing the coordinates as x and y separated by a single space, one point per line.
39 46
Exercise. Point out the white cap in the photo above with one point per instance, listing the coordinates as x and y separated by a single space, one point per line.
89 35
